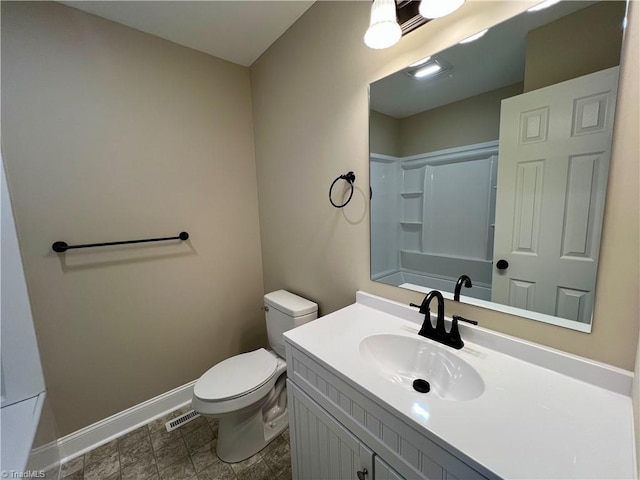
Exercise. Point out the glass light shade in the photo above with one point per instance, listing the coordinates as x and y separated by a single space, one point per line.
438 8
383 31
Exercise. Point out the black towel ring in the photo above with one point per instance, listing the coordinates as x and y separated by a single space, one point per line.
350 178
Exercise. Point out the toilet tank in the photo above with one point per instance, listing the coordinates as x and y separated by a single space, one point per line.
284 311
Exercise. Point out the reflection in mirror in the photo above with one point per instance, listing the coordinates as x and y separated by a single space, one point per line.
491 159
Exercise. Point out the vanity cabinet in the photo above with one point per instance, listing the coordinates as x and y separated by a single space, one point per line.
324 449
337 431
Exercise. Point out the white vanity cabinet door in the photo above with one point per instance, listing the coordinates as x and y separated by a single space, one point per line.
321 448
382 471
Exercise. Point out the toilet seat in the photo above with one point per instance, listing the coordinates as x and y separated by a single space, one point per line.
236 376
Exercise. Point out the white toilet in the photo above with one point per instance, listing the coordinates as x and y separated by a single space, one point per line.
247 392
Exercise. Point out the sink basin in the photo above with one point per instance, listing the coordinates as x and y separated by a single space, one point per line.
403 359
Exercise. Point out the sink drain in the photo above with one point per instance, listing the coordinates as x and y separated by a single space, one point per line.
421 385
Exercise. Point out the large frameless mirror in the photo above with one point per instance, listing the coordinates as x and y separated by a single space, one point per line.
490 159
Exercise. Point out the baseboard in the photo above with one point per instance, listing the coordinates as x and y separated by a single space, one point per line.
93 436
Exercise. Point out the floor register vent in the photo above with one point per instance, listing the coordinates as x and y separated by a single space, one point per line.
181 420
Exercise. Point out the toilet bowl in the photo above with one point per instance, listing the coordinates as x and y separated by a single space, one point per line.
247 392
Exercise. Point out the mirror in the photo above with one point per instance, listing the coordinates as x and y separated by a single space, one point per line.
491 158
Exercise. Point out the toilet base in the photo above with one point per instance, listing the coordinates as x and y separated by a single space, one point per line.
243 435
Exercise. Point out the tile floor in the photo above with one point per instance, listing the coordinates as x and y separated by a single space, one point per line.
187 453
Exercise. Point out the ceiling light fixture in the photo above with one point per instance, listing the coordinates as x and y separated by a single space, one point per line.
474 37
543 5
439 8
383 31
431 68
427 71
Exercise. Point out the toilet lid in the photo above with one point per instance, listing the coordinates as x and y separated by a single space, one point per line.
236 376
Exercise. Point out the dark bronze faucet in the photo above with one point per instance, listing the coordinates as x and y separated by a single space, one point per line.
467 283
439 333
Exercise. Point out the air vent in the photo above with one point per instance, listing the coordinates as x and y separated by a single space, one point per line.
181 420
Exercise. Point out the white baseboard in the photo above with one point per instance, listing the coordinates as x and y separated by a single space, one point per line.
93 436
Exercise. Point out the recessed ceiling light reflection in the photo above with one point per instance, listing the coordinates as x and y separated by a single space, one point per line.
474 37
543 5
421 62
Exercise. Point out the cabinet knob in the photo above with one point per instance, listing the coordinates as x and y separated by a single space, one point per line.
362 474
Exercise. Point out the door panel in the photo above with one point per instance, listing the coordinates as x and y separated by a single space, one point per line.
555 148
382 471
324 448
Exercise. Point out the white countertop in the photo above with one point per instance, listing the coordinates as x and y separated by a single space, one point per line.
530 422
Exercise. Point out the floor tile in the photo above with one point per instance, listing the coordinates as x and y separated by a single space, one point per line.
273 444
217 471
286 475
100 452
258 471
193 425
187 453
204 456
243 465
133 437
78 475
162 438
72 466
142 469
196 438
181 470
171 453
102 468
135 449
278 458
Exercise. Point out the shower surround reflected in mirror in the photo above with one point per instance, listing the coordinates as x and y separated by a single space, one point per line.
502 152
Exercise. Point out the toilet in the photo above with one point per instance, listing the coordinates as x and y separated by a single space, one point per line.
247 392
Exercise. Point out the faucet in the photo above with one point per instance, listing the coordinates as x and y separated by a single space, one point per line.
427 329
439 333
467 283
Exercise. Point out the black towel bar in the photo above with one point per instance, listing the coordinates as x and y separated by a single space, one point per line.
61 247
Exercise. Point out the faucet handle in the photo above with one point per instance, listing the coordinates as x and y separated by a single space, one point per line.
462 319
419 307
454 339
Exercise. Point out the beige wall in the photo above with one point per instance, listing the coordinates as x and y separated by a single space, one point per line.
384 134
112 134
472 120
636 404
584 42
307 133
630 60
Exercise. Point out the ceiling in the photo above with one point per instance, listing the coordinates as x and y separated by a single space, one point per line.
494 61
238 31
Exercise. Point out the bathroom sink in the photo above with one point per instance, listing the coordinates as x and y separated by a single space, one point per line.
402 360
